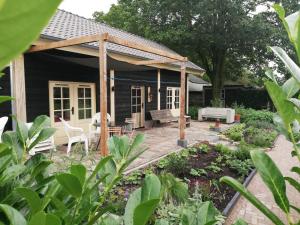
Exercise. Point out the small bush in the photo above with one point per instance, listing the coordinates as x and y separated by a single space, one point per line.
177 165
249 115
242 167
243 151
223 149
235 133
260 137
193 112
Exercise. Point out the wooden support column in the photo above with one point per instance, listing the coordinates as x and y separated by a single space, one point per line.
182 141
187 94
112 97
158 89
18 89
103 96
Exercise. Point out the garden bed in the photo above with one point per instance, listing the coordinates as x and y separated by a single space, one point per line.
201 167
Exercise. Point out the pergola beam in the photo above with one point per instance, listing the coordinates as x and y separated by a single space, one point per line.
66 43
102 40
144 48
154 61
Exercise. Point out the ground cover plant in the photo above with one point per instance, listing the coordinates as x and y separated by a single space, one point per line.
199 168
257 128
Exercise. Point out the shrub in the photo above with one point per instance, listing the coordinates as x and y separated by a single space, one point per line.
235 132
193 112
248 115
261 124
177 165
243 151
260 137
223 149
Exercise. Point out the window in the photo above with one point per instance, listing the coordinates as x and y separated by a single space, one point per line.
84 103
169 98
61 102
136 102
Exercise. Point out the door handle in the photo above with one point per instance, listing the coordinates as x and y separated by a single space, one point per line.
72 110
142 105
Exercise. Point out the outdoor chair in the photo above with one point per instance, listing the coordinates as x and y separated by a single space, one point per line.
43 145
75 135
95 126
3 121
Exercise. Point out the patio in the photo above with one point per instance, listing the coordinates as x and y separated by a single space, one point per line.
160 141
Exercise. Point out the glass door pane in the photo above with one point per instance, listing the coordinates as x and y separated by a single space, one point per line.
84 102
61 103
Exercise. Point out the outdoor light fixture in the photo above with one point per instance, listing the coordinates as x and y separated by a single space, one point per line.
113 88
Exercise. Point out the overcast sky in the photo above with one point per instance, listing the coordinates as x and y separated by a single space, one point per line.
86 8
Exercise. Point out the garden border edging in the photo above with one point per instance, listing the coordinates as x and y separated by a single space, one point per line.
237 195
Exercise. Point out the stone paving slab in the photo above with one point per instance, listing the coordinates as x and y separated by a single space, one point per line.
243 209
160 141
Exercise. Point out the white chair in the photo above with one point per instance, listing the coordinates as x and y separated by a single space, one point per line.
3 121
75 135
94 131
43 145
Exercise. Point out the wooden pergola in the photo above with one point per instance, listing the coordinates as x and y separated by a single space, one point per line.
102 41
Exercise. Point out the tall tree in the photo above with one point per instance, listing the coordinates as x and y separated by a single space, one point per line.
225 37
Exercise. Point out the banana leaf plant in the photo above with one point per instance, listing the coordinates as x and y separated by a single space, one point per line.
286 100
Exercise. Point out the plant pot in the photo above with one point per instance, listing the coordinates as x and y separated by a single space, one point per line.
237 118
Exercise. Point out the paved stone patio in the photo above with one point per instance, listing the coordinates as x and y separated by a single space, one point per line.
160 141
243 209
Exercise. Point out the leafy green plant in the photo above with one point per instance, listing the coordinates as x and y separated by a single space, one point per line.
235 132
223 149
213 167
193 112
177 165
241 167
203 148
260 137
23 139
287 107
243 151
198 172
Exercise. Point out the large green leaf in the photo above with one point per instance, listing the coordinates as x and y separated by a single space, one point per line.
133 201
293 182
284 108
272 177
11 173
251 198
100 166
14 217
292 26
291 87
288 62
32 198
206 213
38 124
5 99
41 218
22 132
22 22
143 212
79 171
151 188
11 139
43 135
70 183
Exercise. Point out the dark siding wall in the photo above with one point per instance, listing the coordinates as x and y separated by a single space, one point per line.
196 98
5 108
123 83
168 79
249 97
40 68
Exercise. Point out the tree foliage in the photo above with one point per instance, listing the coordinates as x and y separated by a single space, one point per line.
228 38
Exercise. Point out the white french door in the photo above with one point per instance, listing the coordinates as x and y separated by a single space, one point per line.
137 105
173 100
74 102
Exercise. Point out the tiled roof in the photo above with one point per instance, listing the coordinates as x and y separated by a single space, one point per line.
65 25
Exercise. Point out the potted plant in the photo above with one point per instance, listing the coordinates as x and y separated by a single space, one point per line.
237 118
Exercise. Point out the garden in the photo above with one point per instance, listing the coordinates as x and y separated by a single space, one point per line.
185 188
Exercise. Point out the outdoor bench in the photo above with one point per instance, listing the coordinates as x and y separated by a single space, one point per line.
216 113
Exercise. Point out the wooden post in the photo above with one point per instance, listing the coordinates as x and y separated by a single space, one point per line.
112 97
182 142
158 89
187 95
18 88
103 96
